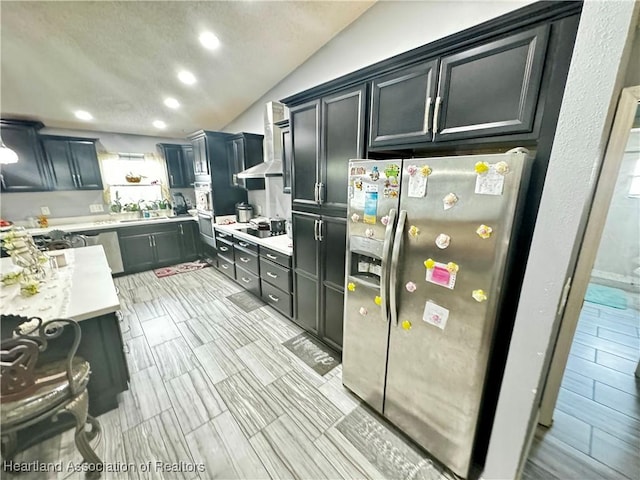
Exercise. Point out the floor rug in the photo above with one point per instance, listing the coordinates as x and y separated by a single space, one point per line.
393 456
313 352
180 268
611 297
246 301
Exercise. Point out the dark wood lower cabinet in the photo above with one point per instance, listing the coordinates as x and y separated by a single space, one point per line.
167 247
137 252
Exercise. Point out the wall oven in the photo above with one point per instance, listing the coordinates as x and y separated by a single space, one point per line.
204 200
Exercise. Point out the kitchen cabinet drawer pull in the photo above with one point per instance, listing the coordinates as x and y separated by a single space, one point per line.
436 114
244 260
224 266
223 235
120 316
272 257
272 275
246 280
223 249
243 244
427 110
150 241
181 230
274 298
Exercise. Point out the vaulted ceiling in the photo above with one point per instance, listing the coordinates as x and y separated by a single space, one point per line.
120 60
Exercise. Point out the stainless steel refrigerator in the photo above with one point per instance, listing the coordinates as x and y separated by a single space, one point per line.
428 247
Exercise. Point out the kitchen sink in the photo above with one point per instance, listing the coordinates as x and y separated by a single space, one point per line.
144 219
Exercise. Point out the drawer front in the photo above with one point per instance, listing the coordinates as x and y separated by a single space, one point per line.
226 267
277 257
281 301
224 235
246 259
275 274
225 249
246 244
248 281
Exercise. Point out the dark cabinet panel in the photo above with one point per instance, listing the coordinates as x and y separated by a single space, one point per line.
306 291
226 267
401 105
73 163
200 162
275 274
167 247
249 280
85 159
491 89
189 240
137 252
225 249
29 174
333 313
276 257
305 122
244 150
179 160
343 138
334 242
285 132
187 159
246 259
57 154
305 248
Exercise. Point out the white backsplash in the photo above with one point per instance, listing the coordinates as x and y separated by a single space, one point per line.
272 201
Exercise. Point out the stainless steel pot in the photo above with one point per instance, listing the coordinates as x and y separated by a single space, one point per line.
244 212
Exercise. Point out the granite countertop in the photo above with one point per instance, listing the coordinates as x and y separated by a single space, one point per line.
93 292
279 243
107 225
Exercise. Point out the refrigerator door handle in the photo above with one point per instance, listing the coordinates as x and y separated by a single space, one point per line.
384 281
395 257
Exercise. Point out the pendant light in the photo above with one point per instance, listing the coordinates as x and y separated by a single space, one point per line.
6 154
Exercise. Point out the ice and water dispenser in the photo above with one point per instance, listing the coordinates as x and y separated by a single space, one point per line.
365 259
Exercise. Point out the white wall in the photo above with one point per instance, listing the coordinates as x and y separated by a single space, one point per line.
593 86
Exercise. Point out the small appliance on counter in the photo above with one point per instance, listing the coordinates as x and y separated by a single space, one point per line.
277 225
180 206
244 212
260 223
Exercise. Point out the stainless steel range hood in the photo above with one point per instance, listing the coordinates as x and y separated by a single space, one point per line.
272 165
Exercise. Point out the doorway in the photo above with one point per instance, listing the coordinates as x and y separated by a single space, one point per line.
590 411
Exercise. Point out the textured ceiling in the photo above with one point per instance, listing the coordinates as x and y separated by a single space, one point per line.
119 60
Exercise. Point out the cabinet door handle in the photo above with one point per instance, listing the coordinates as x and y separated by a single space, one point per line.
315 193
274 298
224 266
272 257
320 224
427 110
246 280
244 260
223 249
4 185
272 275
125 348
320 189
181 230
171 178
315 230
436 113
150 241
243 244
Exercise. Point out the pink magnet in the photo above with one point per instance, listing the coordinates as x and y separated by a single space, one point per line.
440 275
411 287
385 220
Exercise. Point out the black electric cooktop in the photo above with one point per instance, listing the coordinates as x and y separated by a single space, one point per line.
259 233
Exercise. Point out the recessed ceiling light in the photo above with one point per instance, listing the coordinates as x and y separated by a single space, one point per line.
159 124
209 40
82 115
171 102
187 77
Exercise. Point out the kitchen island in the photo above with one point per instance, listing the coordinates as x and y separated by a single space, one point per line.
90 299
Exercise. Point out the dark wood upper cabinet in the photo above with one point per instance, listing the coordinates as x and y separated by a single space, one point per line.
179 160
285 132
402 105
30 173
73 162
200 159
491 89
244 150
305 144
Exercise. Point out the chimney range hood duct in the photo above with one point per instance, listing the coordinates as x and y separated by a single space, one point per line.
272 165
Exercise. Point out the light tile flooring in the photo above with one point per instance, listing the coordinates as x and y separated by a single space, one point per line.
212 385
596 427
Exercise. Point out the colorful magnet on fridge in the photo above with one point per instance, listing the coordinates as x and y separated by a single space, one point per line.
385 220
393 193
414 231
479 295
369 233
484 231
452 267
482 168
363 311
386 192
442 241
429 263
392 171
377 300
351 287
375 174
412 170
449 200
411 287
425 170
406 324
358 184
355 218
502 168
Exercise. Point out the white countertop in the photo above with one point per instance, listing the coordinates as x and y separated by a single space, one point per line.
93 292
104 225
279 243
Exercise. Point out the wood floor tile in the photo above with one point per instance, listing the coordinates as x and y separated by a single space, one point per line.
568 429
274 465
608 376
158 439
196 332
174 357
159 330
138 354
195 399
618 400
337 394
299 454
577 383
148 310
145 398
607 345
178 311
583 351
617 363
621 456
624 339
218 360
264 362
350 452
621 327
251 404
